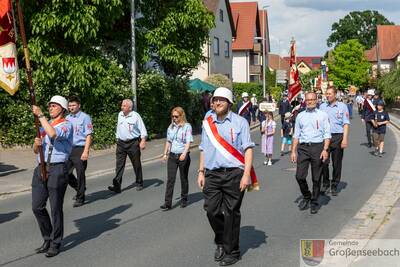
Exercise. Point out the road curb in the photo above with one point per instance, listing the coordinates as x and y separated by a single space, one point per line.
100 173
375 211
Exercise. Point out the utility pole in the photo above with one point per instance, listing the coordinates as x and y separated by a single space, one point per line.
133 56
263 47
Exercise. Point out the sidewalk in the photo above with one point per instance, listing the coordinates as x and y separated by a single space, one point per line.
16 165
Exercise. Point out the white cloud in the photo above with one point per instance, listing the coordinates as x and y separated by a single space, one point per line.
310 22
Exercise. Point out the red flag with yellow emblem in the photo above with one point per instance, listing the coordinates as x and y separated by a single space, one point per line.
9 78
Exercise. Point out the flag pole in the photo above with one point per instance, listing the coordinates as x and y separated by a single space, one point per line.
30 85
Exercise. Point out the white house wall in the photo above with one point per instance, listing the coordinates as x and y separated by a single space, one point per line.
240 67
217 63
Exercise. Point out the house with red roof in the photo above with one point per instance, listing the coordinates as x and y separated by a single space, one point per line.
307 64
251 26
385 55
218 50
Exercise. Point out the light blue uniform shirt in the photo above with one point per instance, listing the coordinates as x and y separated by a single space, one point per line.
312 126
62 144
82 124
179 136
130 126
338 114
236 131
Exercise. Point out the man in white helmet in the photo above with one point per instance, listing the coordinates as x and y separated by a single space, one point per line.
245 107
225 171
56 140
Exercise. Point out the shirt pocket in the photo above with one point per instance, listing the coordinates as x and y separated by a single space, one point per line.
234 137
79 128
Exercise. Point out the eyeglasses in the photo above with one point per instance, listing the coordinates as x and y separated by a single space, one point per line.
312 99
222 100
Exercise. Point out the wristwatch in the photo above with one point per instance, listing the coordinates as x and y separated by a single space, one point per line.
40 116
200 170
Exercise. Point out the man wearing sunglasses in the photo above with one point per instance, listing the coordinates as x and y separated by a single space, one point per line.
131 139
221 176
56 140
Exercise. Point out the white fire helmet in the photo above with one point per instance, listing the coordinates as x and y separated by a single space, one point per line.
225 93
59 100
245 94
371 92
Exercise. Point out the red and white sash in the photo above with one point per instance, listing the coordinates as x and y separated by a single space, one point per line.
244 107
370 105
227 150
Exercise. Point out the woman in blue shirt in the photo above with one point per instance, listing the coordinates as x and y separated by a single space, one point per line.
176 153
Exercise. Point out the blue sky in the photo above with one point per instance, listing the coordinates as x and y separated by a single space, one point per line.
310 21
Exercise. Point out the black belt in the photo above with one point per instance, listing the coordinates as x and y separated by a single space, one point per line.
54 163
175 154
223 169
337 134
129 141
78 146
311 144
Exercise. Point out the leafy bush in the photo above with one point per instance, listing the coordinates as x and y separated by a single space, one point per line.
251 88
219 80
390 85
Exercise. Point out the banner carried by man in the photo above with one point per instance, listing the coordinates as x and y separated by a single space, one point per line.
9 77
294 80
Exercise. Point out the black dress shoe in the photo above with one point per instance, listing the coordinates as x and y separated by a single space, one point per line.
183 203
219 253
45 246
139 187
314 208
53 251
227 260
165 207
334 191
304 204
324 188
115 189
78 203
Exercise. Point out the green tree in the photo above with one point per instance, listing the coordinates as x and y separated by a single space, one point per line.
172 33
348 65
390 85
307 78
360 25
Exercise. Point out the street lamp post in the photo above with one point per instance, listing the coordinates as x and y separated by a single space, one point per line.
133 56
263 36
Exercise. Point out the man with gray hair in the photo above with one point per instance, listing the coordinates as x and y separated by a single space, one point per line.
131 139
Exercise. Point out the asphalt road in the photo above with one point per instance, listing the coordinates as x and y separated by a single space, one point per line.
129 229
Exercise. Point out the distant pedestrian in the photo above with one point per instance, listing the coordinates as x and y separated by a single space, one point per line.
380 121
360 101
284 107
267 139
225 171
176 152
83 130
349 104
131 139
254 104
286 133
339 127
310 146
205 102
244 107
369 115
56 140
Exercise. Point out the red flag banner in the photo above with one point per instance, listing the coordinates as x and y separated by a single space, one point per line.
294 80
9 78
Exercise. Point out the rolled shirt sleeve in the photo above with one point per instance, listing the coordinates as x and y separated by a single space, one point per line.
141 127
327 127
188 134
346 117
88 126
245 136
